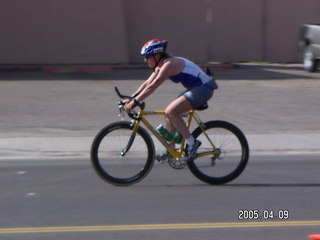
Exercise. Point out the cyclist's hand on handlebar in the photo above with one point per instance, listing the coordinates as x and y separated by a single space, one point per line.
129 105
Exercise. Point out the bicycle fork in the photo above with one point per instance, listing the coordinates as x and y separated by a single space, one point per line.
134 126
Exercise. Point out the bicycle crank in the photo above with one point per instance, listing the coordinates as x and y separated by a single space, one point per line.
177 164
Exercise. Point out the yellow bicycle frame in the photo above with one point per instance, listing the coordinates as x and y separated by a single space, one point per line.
176 154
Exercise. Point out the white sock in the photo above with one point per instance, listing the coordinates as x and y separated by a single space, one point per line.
191 141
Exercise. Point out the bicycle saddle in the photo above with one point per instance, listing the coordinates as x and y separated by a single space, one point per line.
202 107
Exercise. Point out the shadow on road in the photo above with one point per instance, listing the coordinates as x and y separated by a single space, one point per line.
237 72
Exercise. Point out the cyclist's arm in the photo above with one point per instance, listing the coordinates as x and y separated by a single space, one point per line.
129 104
160 75
144 84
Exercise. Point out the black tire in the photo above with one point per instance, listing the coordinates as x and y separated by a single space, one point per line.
309 61
233 158
115 167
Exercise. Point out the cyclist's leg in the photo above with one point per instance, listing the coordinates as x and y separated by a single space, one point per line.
188 100
175 122
173 118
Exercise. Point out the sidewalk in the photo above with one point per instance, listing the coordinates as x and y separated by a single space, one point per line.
275 107
79 147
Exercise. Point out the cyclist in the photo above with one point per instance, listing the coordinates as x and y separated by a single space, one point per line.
199 88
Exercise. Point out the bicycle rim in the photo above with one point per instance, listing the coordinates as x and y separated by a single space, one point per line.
233 153
115 166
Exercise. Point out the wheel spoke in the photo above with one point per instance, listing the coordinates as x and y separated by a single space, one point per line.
120 159
227 161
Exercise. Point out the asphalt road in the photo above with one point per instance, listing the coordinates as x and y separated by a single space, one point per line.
50 191
65 199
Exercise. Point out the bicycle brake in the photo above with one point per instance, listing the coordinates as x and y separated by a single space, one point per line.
121 113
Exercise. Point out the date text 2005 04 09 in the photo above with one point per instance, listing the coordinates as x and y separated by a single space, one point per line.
254 214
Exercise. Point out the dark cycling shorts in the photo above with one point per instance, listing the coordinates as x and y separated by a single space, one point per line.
199 95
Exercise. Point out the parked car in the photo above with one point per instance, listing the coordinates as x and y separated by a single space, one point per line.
309 44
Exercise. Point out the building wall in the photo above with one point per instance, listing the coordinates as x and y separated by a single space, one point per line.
179 21
112 31
283 19
62 31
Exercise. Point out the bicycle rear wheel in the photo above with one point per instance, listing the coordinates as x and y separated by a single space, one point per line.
232 157
110 159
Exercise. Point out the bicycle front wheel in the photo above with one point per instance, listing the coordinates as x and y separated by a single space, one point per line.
121 157
223 154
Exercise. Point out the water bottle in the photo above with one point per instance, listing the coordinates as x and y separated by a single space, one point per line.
164 132
177 137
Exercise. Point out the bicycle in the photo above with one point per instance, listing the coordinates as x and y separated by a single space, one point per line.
123 152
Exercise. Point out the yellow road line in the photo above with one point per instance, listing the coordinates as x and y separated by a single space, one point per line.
160 227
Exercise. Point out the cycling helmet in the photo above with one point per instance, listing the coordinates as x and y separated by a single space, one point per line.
154 46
